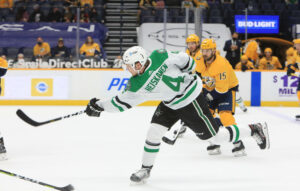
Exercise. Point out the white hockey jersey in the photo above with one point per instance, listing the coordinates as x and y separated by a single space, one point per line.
168 78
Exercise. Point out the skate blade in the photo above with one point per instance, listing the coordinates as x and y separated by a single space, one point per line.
266 132
3 157
169 141
132 183
215 152
240 154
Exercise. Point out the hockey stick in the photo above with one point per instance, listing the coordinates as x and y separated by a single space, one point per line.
30 121
65 188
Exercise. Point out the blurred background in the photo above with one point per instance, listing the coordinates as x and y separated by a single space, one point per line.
103 29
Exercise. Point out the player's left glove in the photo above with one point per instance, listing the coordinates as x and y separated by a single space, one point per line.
93 109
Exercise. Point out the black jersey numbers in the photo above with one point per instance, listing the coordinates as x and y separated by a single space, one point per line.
223 76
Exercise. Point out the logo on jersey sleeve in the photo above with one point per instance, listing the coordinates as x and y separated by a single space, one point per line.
42 87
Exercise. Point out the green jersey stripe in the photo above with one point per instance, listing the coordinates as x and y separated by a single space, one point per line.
117 106
193 63
186 95
203 116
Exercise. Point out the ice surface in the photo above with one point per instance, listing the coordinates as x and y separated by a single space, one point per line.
99 154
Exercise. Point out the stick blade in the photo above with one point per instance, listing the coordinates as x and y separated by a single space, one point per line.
67 188
26 119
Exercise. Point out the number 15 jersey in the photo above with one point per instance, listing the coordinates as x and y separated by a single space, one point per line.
219 75
168 78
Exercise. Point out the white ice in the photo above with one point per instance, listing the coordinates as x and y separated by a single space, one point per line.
99 154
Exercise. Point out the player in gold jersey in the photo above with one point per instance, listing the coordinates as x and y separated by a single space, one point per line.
220 86
193 47
294 67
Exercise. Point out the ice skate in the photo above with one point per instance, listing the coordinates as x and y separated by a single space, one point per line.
2 150
141 175
214 150
239 149
297 117
243 108
261 135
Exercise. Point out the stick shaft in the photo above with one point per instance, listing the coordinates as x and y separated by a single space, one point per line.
32 122
29 179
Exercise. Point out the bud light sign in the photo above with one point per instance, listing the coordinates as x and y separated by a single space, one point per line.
266 24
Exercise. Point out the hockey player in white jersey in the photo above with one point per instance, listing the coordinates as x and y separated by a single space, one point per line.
168 77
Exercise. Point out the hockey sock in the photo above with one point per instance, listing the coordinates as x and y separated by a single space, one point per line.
231 133
239 100
152 144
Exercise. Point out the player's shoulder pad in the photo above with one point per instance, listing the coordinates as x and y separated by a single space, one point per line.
158 56
158 52
219 64
180 57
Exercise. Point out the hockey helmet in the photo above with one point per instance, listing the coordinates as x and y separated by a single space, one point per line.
208 44
134 55
193 38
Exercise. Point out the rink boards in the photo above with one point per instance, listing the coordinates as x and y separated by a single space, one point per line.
77 86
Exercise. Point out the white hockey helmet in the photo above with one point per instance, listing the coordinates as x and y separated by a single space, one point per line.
135 54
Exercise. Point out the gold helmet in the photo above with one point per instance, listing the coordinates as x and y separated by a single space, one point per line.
268 50
244 57
296 41
193 38
208 44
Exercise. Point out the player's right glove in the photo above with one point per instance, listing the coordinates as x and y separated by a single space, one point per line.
93 109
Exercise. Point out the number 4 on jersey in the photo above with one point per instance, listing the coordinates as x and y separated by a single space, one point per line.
173 83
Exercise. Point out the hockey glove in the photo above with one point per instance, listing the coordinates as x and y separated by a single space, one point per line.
93 109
